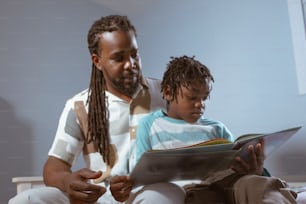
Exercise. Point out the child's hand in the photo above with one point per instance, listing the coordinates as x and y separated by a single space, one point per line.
121 187
255 162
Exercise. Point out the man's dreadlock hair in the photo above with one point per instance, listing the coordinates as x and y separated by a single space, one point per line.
183 71
98 125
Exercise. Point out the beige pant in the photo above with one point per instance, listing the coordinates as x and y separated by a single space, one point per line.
248 189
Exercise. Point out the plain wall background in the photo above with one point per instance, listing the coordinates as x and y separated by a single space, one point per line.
247 45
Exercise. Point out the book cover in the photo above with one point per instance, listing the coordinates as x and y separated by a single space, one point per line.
201 160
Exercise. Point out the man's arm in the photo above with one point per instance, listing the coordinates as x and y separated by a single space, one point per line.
57 173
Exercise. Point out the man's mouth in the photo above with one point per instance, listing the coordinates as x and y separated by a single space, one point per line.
130 79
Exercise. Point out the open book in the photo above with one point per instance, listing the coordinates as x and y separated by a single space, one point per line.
201 160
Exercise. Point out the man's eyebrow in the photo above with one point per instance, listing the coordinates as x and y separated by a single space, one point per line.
116 53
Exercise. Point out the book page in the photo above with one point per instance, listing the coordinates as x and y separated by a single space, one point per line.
168 166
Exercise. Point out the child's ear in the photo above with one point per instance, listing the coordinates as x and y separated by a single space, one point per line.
167 93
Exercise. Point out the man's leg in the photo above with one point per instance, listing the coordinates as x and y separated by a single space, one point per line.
201 193
259 189
43 195
301 198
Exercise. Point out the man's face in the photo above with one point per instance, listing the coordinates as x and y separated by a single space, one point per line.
120 62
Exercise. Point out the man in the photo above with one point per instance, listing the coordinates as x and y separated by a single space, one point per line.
101 122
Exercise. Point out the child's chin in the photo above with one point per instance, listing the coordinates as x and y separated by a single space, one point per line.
193 120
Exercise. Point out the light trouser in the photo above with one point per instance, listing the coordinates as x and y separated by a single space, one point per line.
301 198
165 193
247 189
43 195
258 189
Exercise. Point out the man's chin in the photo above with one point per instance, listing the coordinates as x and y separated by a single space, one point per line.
128 90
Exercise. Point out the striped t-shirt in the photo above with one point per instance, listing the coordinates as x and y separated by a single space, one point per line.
157 131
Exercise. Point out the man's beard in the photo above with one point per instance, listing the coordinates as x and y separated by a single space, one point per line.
126 90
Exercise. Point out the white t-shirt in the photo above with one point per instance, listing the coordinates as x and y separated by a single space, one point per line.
123 120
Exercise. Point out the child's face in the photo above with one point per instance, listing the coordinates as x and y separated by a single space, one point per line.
189 105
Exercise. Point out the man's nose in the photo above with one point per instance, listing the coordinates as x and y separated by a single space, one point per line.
130 63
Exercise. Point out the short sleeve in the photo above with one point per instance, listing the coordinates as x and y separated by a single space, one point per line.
68 141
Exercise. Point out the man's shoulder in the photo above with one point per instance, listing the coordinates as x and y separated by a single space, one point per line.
154 88
152 82
153 79
81 96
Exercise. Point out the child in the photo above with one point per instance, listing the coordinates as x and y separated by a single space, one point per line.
186 85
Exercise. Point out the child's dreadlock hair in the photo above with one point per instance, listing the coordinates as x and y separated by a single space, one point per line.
98 126
183 71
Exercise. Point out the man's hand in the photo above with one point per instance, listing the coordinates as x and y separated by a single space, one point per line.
255 162
121 187
79 190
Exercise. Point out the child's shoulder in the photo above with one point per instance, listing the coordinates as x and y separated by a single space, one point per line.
154 115
150 118
209 121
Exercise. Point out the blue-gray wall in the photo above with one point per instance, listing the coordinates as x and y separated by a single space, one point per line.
246 44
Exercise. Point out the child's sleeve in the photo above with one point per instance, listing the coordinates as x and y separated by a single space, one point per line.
143 141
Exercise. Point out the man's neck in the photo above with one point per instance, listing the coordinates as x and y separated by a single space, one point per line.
124 96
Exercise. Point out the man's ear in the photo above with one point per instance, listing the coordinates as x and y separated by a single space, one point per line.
96 60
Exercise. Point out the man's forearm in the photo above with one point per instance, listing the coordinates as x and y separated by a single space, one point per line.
56 173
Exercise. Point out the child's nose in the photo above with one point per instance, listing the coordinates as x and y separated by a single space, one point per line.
200 104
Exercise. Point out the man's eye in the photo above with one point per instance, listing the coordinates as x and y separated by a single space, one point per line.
119 58
135 55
